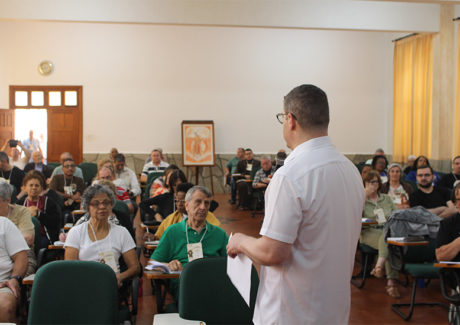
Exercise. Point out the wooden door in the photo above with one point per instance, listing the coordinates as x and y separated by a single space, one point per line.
6 125
64 133
64 105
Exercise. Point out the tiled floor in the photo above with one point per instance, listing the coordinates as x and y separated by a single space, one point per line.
369 305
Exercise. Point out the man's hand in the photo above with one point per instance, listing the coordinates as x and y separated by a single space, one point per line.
148 236
175 265
233 246
119 280
13 284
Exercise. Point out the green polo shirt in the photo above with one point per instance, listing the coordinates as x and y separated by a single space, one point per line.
173 243
231 165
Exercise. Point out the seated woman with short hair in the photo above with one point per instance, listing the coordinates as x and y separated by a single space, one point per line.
378 207
99 240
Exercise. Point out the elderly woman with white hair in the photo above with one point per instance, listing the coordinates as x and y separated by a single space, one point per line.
100 240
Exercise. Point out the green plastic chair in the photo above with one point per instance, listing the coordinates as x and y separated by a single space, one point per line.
89 171
417 262
53 164
367 257
207 294
74 292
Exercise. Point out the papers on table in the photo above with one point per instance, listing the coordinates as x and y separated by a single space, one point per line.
449 262
239 272
410 239
58 243
152 242
154 265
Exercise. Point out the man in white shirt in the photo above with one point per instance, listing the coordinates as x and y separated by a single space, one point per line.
10 147
127 175
156 165
312 222
13 266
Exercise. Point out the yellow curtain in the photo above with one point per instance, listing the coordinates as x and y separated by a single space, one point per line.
457 101
412 97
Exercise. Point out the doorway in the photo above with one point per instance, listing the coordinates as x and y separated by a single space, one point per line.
35 120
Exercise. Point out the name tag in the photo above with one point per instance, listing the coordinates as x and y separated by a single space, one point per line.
108 258
5 180
68 190
397 199
194 251
249 167
380 215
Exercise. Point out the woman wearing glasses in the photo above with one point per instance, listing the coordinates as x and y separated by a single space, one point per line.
100 240
377 208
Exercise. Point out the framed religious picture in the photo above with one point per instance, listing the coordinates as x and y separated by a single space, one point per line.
198 143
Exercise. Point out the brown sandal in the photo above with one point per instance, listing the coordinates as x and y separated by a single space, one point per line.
392 291
377 271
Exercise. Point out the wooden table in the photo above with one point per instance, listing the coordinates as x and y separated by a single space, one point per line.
28 280
56 247
160 278
368 223
149 228
408 243
450 266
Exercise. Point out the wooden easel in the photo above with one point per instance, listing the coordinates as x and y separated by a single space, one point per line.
197 173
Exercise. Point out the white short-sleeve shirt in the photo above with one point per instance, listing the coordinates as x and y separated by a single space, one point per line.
313 202
11 242
118 240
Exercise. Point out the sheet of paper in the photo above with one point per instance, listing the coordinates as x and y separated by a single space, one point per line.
239 272
449 262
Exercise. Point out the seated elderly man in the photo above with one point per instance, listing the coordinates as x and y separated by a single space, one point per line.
180 214
192 238
13 266
155 165
38 164
127 175
448 239
434 198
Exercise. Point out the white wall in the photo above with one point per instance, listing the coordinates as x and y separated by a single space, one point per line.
140 81
328 14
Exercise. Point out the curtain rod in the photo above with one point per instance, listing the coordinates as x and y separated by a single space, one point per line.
458 18
401 38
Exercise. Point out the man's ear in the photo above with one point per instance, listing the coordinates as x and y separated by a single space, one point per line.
292 123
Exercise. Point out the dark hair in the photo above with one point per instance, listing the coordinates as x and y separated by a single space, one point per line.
417 159
308 104
67 159
34 174
174 176
370 176
374 161
119 157
426 166
183 187
248 149
4 157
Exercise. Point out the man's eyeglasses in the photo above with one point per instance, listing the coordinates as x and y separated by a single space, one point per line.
280 117
423 175
179 201
69 166
96 204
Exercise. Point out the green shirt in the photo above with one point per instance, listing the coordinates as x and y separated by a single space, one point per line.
231 165
173 243
383 202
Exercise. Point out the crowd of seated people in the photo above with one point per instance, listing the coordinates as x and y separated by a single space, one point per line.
417 185
179 206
